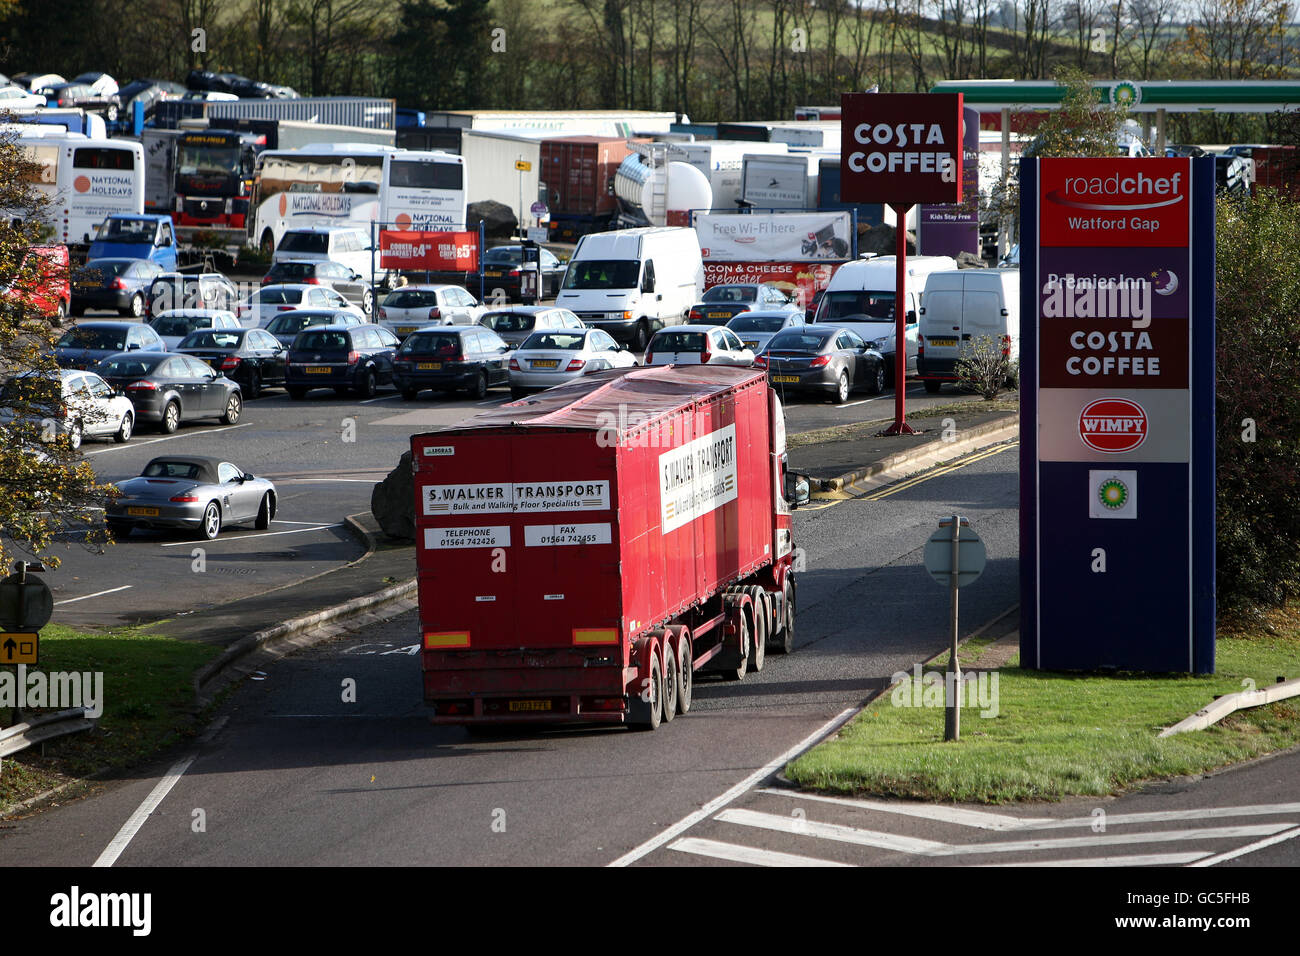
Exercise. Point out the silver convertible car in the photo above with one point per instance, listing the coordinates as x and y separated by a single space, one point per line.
186 491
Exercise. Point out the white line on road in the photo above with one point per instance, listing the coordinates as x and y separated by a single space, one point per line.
965 818
137 820
381 398
1144 859
1111 839
87 597
745 854
314 523
246 537
831 831
721 801
1250 848
153 441
1168 816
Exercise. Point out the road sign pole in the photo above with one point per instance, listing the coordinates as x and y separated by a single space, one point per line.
900 426
952 699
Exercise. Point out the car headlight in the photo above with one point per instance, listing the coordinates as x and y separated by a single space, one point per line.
881 343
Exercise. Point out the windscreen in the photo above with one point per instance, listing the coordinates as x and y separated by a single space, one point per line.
509 321
101 270
412 174
111 339
297 321
131 366
323 341
433 343
210 339
797 342
678 342
855 306
160 468
411 299
731 293
181 325
316 243
278 296
602 274
293 271
207 160
569 341
752 323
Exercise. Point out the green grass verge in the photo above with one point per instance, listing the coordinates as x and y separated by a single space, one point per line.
1057 735
148 704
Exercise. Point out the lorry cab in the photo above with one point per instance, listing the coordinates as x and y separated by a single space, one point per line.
962 306
148 236
634 282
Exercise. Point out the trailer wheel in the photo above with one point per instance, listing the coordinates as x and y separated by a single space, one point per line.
758 607
786 644
645 714
686 666
740 670
672 682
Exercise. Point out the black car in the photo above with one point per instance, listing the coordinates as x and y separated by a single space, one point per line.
120 284
351 285
148 92
502 267
66 95
342 357
169 388
251 357
823 359
286 326
85 344
450 357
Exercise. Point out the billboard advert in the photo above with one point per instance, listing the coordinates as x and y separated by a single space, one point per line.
800 279
789 237
1117 393
428 251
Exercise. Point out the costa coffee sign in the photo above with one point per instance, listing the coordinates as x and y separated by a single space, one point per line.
901 148
1113 425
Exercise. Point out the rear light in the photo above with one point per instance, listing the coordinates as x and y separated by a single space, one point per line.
920 346
354 358
311 281
435 315
1006 346
705 356
267 280
229 363
649 357
603 703
513 272
285 308
760 361
819 360
514 365
574 364
696 314
183 498
119 284
144 385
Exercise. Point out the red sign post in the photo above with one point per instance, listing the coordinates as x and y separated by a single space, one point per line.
903 149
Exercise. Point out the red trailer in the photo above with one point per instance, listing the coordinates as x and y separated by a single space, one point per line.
583 553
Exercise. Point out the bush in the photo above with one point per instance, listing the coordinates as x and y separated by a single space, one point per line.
986 368
1257 400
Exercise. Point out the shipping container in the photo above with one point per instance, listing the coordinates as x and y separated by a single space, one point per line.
620 123
1278 167
578 172
159 168
782 182
721 161
370 112
582 554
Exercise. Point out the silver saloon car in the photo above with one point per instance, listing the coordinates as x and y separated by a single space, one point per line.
192 493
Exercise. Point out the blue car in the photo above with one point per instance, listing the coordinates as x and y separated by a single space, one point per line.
148 236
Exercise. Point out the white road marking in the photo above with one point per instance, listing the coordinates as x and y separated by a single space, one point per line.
1112 839
832 831
862 402
87 597
246 537
137 819
721 801
313 523
381 398
745 854
1146 859
153 441
1250 848
1168 816
943 814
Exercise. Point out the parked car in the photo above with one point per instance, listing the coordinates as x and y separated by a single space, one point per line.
549 358
254 358
286 326
353 286
169 389
86 344
414 306
176 324
65 95
41 282
84 405
449 358
260 308
146 236
17 98
825 360
501 270
192 493
757 328
345 244
35 81
101 84
720 304
518 323
341 357
204 290
119 284
697 345
149 92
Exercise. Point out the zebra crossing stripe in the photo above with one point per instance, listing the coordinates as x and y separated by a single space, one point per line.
1145 859
830 831
743 854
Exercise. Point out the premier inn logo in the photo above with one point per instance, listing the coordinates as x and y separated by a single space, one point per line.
1118 192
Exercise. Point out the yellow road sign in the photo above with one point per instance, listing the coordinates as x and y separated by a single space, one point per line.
19 647
523 165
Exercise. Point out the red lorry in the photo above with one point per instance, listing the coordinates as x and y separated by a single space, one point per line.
583 553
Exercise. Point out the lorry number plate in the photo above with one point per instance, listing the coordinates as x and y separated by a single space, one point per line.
530 705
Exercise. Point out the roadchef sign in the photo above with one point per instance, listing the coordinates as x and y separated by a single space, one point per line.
901 148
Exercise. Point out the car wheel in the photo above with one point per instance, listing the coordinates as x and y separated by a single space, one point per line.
124 431
369 385
110 113
74 435
171 418
408 394
136 308
234 406
367 302
932 386
267 245
211 526
479 389
254 387
842 388
296 392
264 513
61 314
119 529
878 379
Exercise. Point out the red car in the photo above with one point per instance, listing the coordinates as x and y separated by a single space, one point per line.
44 282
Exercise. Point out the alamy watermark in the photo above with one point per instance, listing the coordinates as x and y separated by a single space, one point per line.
58 690
978 690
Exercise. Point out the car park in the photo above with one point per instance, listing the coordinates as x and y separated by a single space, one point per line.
117 284
41 282
324 272
447 358
345 244
286 326
697 345
824 360
169 389
191 493
174 325
84 345
518 323
260 308
413 307
757 328
553 357
85 406
722 303
254 358
503 268
358 358
204 290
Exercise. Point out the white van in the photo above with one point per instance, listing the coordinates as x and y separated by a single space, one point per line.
860 296
634 282
345 244
961 306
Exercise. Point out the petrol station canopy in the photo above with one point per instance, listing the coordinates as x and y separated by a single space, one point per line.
1139 96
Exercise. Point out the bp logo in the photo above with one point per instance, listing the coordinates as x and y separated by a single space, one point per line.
1125 94
1112 494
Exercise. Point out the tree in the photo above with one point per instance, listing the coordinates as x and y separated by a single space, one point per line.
46 487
